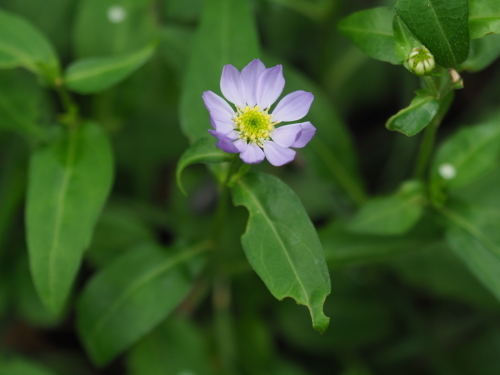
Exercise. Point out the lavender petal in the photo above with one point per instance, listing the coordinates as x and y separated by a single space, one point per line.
218 107
286 136
250 76
308 131
270 86
293 107
278 155
232 86
224 142
253 154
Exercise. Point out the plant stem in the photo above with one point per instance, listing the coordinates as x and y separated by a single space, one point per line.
70 117
222 284
427 145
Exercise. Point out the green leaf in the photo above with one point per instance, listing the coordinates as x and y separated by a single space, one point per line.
179 348
19 366
130 297
202 151
344 248
28 303
20 98
469 153
473 235
441 25
484 18
281 244
69 181
414 118
404 40
391 215
92 75
226 35
112 27
21 44
371 31
483 52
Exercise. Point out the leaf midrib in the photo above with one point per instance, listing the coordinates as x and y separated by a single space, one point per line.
283 247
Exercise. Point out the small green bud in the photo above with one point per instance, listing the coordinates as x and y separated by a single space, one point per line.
421 62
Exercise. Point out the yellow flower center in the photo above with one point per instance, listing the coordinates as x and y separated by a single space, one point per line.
253 125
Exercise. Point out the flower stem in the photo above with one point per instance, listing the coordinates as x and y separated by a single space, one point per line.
70 117
427 145
222 284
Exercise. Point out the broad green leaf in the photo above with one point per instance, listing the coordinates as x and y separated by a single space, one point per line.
483 191
468 154
484 18
371 31
20 100
391 215
185 11
414 118
344 248
19 366
28 303
92 75
175 347
474 236
176 45
281 244
226 35
404 40
483 52
111 27
202 151
435 268
128 298
69 181
21 44
441 25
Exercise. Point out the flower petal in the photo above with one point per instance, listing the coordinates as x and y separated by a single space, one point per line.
293 107
240 145
232 86
253 154
250 76
278 155
308 131
286 136
218 107
222 126
270 86
224 142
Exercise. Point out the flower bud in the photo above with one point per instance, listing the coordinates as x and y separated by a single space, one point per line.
421 62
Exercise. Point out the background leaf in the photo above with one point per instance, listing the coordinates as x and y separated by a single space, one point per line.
93 75
20 102
282 245
177 346
226 35
371 31
483 52
69 181
474 236
130 297
99 32
391 215
21 44
471 152
484 18
202 151
414 118
441 25
19 366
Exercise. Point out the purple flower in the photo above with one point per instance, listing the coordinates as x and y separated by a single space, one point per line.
250 129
